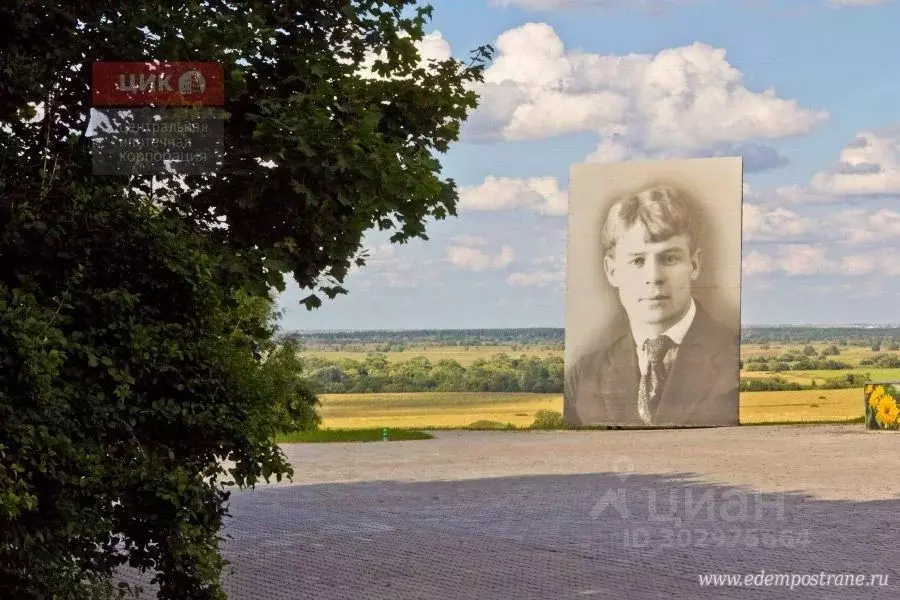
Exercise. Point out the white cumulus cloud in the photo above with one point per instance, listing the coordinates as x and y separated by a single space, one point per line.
548 5
387 268
792 259
432 46
542 272
860 227
807 259
539 194
802 259
469 258
858 264
869 165
762 224
756 262
688 98
787 194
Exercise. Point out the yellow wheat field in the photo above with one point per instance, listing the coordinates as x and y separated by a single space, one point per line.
428 409
411 410
802 406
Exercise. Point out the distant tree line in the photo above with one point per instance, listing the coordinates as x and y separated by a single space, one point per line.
779 384
500 373
806 360
883 361
876 338
434 337
401 346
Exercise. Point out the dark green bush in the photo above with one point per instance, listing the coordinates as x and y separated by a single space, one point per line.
548 419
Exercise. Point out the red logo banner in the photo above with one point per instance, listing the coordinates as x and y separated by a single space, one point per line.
158 84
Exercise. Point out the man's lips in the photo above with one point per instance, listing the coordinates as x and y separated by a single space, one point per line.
654 298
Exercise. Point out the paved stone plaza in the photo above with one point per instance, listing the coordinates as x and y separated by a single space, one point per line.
604 514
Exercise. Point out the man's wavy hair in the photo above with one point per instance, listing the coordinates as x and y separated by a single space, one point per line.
663 209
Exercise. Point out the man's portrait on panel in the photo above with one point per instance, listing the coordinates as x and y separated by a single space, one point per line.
673 364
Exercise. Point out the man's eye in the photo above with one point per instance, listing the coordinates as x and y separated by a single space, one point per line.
670 260
637 261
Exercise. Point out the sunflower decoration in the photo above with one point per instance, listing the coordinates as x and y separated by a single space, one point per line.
876 394
887 414
882 410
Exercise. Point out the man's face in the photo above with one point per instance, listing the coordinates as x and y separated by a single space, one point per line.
654 279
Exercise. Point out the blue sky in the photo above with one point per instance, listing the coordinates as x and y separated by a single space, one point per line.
609 80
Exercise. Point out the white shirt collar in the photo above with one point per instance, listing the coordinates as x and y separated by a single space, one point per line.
676 332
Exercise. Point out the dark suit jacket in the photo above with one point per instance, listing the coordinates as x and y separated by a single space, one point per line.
701 388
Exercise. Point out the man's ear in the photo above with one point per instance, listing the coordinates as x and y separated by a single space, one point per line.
695 265
609 266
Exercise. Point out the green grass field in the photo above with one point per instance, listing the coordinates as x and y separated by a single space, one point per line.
352 435
448 410
807 377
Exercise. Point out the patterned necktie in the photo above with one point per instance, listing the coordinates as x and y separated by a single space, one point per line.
653 381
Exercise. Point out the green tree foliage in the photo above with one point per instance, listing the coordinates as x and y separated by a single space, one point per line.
501 373
768 384
498 374
132 363
883 361
780 384
793 362
842 336
850 380
548 419
279 372
123 383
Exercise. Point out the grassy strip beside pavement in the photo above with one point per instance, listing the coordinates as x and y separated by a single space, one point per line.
511 427
376 434
351 435
853 421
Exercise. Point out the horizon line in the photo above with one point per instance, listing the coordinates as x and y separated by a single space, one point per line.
743 326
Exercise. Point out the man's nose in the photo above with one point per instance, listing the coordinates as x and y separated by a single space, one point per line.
654 271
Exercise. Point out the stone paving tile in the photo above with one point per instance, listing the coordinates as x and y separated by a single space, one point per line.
550 536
